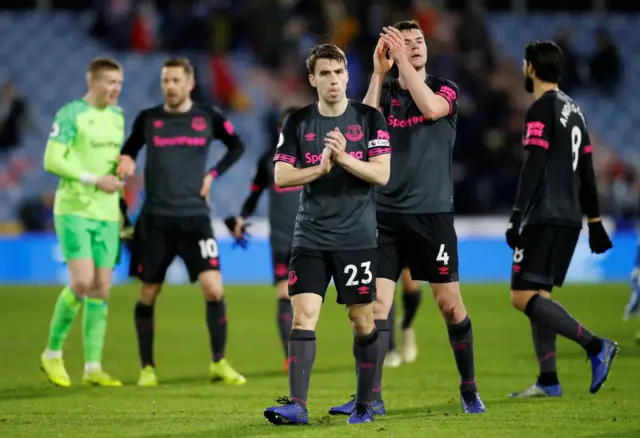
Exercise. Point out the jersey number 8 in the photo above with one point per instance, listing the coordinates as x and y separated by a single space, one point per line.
208 248
576 141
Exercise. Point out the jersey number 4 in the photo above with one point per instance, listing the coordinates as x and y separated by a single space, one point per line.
208 248
576 142
442 256
352 271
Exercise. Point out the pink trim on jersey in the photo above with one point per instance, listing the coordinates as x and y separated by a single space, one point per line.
285 158
228 127
536 142
374 152
587 149
255 188
449 94
214 174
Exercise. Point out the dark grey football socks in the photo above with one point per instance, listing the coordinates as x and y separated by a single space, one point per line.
410 302
284 323
554 316
365 352
382 326
544 343
217 325
302 354
461 340
143 316
392 327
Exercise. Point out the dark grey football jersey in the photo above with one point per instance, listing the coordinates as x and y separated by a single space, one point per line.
555 123
336 211
421 180
283 203
177 148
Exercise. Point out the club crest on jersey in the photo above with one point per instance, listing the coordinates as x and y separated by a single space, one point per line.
158 124
198 123
354 133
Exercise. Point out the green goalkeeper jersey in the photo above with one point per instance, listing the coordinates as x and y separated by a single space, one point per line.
85 140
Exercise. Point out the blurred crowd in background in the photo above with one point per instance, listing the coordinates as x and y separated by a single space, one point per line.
278 34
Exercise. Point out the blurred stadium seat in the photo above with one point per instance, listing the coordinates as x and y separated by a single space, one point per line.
615 119
46 56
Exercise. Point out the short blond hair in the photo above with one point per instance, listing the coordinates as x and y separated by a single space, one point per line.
98 65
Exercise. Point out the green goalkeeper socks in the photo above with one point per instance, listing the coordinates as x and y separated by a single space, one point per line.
94 328
64 313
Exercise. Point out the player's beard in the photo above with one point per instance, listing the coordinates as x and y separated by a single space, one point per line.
176 102
528 84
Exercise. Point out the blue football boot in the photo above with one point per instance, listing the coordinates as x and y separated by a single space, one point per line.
471 403
601 364
361 415
539 391
347 409
289 412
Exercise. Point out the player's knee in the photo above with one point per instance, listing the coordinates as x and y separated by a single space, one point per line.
81 285
211 284
306 311
449 300
149 294
361 317
545 294
520 298
100 289
303 319
385 290
101 284
282 289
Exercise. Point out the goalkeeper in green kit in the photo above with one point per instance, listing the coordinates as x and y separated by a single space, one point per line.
83 150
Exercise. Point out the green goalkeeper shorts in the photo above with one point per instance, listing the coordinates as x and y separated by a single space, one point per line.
83 238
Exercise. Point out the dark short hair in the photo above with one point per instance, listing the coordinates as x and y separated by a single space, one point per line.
286 113
179 62
99 65
408 25
547 60
324 51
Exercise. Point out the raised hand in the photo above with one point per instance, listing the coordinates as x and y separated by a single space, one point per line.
381 65
394 40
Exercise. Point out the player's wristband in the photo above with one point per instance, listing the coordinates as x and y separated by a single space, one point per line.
214 173
88 178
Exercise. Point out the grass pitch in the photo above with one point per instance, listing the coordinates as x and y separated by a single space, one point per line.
422 398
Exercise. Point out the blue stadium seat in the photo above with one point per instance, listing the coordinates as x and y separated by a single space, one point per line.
46 56
614 119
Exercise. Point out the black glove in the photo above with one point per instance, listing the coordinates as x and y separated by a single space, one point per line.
126 227
243 240
599 241
513 230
